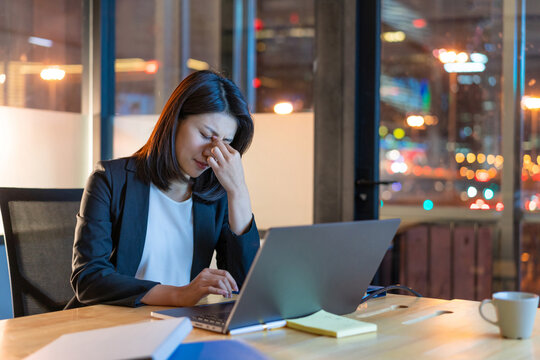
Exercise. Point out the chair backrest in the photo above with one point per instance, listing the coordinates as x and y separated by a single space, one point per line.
39 226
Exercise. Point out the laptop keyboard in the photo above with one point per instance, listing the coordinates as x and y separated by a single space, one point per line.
217 319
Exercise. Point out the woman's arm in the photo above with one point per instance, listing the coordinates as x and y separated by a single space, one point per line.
226 163
209 281
239 238
94 277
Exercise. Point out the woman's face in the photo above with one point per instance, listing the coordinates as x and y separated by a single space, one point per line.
194 140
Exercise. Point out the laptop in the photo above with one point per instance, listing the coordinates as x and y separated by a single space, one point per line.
300 270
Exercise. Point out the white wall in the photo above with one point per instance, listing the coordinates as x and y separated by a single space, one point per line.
279 169
278 166
44 149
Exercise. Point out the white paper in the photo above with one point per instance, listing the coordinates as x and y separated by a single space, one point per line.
154 339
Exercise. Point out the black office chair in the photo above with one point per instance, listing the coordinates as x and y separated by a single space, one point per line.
39 225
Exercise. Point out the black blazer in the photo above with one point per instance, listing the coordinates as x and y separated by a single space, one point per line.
111 231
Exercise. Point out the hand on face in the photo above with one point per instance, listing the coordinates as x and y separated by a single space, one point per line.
226 163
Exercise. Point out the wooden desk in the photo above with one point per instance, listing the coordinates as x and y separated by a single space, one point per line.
402 332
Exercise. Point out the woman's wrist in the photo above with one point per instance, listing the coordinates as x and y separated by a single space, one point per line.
238 193
167 295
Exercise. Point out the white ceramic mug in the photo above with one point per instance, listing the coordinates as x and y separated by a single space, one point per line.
515 313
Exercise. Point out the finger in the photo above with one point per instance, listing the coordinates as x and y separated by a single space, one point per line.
231 281
223 147
220 283
217 154
216 291
226 274
230 149
221 155
218 280
212 162
224 284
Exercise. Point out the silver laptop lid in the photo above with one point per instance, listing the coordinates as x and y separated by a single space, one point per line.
302 269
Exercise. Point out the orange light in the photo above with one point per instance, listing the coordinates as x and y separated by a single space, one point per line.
283 108
447 57
52 73
530 103
151 67
431 119
415 120
463 171
499 160
525 257
482 175
499 206
481 158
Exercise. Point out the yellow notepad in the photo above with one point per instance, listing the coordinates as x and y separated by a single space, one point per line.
325 323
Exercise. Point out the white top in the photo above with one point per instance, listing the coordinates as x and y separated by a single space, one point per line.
168 248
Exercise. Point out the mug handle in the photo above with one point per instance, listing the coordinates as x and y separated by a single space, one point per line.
484 302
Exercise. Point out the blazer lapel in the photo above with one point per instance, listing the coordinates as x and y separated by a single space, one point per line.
134 222
203 236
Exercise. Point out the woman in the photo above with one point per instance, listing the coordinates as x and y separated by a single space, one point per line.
149 224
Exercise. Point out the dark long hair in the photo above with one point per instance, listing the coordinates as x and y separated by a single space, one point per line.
202 92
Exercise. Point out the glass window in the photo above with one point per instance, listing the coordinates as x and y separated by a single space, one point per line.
530 167
440 140
136 65
40 54
442 117
43 135
440 104
158 43
285 35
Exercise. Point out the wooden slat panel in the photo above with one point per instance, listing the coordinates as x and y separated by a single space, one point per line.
439 260
463 251
484 271
415 245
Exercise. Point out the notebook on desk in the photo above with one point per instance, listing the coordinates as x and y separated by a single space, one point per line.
300 270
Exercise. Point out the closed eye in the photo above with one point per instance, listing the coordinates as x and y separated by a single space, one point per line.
207 137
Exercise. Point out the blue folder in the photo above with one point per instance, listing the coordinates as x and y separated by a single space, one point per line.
219 349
